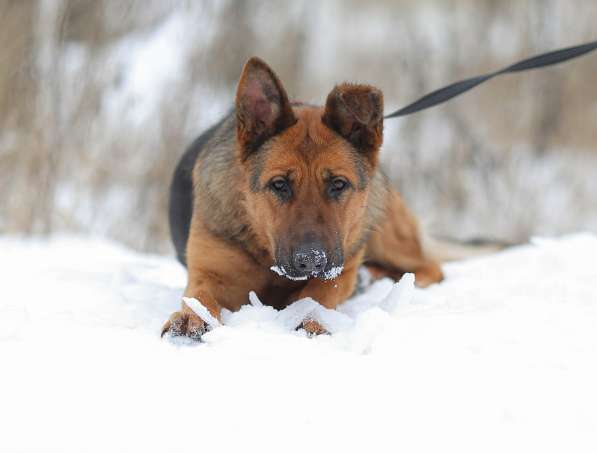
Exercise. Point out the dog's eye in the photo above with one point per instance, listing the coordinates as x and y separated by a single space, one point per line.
337 186
281 187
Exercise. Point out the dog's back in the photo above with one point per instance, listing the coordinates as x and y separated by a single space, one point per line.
180 209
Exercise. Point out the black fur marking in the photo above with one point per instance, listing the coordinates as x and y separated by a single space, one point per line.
363 176
180 209
257 165
362 168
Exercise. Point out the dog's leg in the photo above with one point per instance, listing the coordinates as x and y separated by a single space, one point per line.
395 246
220 276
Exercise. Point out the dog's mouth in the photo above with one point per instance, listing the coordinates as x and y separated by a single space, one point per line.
329 273
284 272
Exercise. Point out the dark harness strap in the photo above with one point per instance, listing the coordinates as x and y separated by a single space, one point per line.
453 90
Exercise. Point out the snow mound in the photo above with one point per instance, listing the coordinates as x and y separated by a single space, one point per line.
499 357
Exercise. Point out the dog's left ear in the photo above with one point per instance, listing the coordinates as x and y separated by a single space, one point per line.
356 113
262 106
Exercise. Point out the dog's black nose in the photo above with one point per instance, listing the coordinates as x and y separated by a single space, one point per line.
309 259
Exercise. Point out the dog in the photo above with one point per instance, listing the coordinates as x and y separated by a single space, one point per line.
287 199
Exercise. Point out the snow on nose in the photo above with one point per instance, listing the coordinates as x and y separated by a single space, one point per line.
309 260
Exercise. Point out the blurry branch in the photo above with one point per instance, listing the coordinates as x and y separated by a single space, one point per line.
68 162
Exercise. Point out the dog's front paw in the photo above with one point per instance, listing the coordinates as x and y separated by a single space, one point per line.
313 328
185 324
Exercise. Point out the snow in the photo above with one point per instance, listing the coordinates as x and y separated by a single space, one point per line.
282 273
292 317
333 272
201 311
328 275
499 357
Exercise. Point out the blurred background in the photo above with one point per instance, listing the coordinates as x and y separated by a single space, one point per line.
98 99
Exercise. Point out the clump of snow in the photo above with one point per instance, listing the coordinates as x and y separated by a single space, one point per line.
333 273
401 292
201 311
254 300
293 315
498 357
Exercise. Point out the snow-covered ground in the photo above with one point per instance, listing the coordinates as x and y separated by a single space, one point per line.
502 356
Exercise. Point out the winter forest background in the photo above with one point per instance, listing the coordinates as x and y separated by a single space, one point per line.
98 99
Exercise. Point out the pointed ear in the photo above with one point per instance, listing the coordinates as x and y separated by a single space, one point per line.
262 106
356 113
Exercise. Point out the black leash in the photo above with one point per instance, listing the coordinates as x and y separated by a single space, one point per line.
453 90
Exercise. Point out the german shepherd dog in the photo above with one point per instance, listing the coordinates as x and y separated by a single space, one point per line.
287 199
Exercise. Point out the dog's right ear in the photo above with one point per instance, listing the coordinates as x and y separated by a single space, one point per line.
262 106
356 113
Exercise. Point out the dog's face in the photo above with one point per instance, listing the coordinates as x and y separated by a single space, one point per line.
307 170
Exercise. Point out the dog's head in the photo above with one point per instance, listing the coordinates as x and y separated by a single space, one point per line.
307 170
